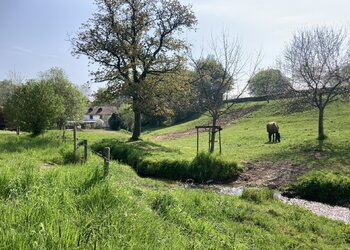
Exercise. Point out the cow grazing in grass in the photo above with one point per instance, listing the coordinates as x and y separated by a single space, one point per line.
273 130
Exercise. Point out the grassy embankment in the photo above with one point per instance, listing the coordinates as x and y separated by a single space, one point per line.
44 206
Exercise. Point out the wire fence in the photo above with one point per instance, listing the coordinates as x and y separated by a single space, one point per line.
106 155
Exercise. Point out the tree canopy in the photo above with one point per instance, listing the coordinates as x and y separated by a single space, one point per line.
131 40
34 107
268 82
316 61
74 102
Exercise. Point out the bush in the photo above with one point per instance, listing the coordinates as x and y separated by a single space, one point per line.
45 107
204 167
324 187
114 122
257 195
210 167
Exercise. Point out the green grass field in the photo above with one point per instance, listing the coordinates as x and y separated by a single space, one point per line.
247 139
45 204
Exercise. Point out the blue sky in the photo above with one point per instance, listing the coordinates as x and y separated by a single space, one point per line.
34 34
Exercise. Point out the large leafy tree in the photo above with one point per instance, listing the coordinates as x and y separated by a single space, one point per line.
171 94
268 82
132 39
34 107
74 102
316 61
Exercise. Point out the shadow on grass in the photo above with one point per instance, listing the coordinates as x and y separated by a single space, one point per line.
315 153
14 143
144 148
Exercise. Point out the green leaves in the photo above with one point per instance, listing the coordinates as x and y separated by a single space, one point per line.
34 107
268 82
40 104
131 40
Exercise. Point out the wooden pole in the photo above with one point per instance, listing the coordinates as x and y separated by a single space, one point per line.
197 141
209 140
220 139
75 140
106 157
85 150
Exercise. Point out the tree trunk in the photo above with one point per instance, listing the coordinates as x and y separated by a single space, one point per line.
212 137
137 126
321 135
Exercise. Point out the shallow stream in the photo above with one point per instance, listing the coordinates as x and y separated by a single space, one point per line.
321 209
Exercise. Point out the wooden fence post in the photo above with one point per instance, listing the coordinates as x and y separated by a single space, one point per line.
106 157
75 140
197 140
85 150
220 140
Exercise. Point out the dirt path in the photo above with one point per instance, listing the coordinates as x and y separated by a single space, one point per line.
269 174
225 121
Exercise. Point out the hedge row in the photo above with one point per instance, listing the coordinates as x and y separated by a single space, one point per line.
324 187
203 168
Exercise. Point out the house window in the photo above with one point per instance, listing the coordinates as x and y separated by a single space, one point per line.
91 117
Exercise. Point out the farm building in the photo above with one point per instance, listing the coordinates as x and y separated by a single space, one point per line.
97 117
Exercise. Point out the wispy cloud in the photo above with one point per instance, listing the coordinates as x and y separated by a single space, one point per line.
19 50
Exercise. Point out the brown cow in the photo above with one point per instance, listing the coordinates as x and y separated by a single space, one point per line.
273 130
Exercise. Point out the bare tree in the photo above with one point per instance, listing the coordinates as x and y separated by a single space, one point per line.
132 39
219 73
316 61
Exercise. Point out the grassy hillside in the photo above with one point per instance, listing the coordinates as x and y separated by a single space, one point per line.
247 138
47 205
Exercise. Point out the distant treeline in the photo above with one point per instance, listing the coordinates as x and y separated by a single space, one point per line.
250 99
291 94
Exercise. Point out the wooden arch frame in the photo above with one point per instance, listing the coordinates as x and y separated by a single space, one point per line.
210 129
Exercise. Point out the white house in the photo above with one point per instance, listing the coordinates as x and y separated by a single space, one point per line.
98 116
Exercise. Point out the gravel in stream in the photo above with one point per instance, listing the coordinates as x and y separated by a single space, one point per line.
331 212
328 211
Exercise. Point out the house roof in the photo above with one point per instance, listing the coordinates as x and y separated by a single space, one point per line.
103 110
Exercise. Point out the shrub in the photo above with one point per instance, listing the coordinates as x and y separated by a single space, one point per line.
45 107
324 187
210 167
257 195
114 122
